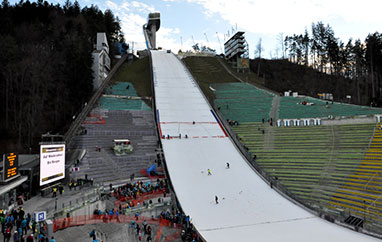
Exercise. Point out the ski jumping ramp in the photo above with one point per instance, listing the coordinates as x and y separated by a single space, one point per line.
248 209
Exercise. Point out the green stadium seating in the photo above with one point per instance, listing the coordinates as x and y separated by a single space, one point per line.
291 108
242 102
113 103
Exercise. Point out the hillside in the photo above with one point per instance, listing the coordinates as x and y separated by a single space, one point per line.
282 75
45 67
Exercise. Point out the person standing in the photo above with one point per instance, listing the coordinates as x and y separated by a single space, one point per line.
54 191
137 228
149 238
24 226
30 238
227 165
7 234
209 172
145 226
16 237
61 189
216 199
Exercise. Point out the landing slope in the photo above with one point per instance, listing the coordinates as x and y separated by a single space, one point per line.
248 209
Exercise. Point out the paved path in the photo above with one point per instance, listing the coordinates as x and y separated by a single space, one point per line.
269 137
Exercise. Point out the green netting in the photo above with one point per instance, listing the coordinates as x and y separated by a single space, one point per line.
120 88
243 102
291 107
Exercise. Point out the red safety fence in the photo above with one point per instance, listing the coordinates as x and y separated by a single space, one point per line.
144 173
94 119
174 236
63 223
139 198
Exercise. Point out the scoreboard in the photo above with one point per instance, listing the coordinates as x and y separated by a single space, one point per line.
10 166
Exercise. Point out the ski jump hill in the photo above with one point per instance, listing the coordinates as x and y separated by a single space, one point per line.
248 209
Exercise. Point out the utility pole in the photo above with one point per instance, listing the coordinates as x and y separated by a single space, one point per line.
193 39
181 43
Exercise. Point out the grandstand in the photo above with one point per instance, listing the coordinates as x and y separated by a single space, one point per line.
361 192
312 162
334 169
242 102
121 114
208 69
126 99
291 108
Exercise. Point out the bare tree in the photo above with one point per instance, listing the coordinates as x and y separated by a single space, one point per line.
277 50
280 39
259 48
258 51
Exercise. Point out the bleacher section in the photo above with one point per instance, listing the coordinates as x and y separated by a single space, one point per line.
120 121
361 193
242 102
323 166
208 69
312 162
336 169
125 89
291 108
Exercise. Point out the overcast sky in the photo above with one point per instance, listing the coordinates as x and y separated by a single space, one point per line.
184 19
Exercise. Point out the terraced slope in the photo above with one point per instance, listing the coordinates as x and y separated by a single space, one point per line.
291 108
336 169
312 162
207 70
361 192
118 118
242 102
123 89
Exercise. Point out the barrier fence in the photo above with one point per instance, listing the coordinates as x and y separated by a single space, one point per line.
139 198
63 223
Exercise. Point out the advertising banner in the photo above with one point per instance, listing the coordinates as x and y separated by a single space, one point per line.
52 163
242 63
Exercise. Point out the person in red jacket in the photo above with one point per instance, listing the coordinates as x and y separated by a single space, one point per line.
30 238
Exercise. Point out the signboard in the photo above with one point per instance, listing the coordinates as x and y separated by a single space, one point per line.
242 63
52 163
39 216
10 166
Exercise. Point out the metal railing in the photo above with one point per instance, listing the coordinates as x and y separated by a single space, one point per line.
63 208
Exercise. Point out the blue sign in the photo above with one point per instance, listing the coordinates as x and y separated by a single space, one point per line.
39 216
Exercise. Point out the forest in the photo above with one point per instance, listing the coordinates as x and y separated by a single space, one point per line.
45 67
360 62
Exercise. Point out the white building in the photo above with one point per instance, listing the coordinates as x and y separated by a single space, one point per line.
101 60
